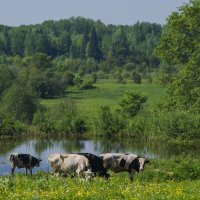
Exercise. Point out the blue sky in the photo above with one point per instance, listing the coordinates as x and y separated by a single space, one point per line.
18 12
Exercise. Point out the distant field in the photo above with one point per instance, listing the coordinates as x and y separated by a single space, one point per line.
107 92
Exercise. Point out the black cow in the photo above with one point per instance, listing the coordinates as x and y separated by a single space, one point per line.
23 161
96 164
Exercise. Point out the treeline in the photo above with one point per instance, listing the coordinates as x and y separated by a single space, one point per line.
81 38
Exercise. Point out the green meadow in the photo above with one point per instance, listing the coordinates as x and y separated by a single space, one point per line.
106 92
43 186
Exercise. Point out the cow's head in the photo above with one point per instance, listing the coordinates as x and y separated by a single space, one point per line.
89 174
138 164
141 163
38 162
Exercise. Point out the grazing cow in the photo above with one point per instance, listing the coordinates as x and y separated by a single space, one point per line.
96 164
76 164
119 162
23 161
70 164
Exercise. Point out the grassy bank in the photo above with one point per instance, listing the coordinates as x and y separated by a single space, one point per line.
42 186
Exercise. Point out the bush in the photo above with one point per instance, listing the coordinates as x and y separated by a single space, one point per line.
131 103
20 102
109 123
10 127
43 120
136 77
137 127
86 85
180 125
63 119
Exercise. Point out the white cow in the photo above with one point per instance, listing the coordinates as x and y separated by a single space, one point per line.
66 164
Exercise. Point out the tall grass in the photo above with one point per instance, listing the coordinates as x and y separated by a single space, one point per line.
42 186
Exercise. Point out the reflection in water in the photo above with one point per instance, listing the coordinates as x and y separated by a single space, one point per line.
42 147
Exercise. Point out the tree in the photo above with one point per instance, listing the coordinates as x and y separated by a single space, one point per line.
17 41
64 43
41 61
92 49
36 41
181 39
120 43
21 102
83 44
5 42
29 43
131 103
6 78
180 44
184 91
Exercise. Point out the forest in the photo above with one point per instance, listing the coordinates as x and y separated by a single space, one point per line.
80 38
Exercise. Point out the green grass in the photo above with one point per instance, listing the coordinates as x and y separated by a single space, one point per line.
43 186
171 178
107 92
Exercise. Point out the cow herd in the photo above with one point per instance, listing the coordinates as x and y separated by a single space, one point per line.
83 165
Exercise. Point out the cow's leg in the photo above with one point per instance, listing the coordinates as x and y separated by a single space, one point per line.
26 171
12 170
30 171
80 173
131 174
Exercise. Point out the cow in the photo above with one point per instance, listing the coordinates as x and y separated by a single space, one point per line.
120 162
65 164
96 164
21 160
76 164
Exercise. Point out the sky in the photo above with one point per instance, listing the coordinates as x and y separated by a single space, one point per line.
117 12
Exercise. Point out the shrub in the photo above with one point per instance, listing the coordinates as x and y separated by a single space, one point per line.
136 77
137 127
86 85
63 119
131 103
43 120
109 123
10 127
20 102
180 125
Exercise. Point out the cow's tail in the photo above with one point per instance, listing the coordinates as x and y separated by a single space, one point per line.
11 158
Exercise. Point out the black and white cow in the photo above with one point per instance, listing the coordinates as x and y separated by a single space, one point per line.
23 161
120 162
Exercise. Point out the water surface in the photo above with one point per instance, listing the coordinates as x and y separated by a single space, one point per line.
42 147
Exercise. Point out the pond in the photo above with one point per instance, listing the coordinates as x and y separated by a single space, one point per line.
42 147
